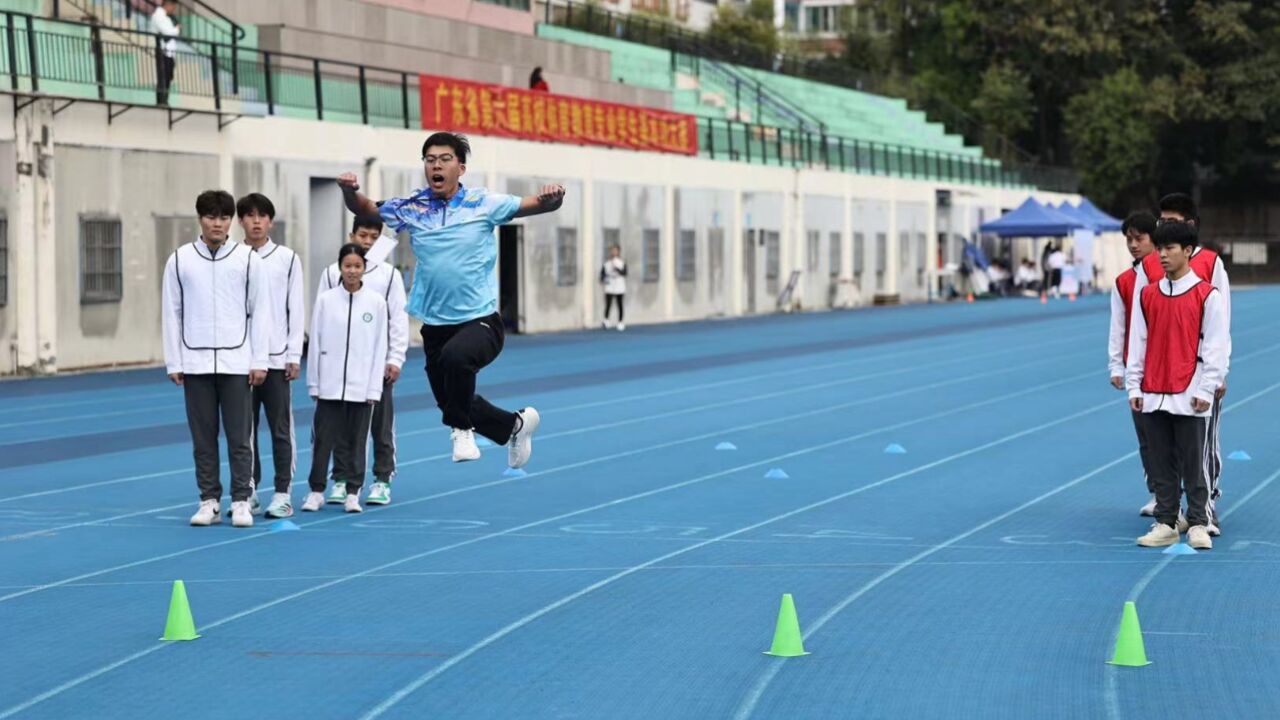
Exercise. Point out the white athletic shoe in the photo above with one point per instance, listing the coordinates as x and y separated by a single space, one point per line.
520 446
622 326
379 493
1159 536
241 515
604 325
1198 538
281 506
210 513
255 505
1213 529
1182 525
338 494
313 502
1149 510
353 503
464 445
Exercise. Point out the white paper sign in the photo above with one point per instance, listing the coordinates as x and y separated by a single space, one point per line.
382 249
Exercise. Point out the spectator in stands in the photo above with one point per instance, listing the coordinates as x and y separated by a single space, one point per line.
163 24
536 82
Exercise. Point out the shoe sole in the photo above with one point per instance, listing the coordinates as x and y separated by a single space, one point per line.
216 521
355 512
1161 543
377 502
280 516
242 525
307 509
465 459
332 501
529 433
1201 546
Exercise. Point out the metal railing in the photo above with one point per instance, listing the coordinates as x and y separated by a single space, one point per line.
77 63
199 21
730 77
591 18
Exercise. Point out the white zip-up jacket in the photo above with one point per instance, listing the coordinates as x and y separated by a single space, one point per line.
1211 365
380 279
215 310
162 24
347 355
283 270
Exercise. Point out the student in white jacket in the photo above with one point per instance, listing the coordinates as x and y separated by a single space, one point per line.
283 269
380 278
613 275
217 327
346 360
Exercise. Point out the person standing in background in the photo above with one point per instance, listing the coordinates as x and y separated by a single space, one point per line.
613 274
163 24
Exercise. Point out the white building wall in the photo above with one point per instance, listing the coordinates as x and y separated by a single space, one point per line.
145 172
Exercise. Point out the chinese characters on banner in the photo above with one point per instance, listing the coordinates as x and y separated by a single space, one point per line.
463 106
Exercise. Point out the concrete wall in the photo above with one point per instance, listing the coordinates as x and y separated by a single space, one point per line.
824 220
155 208
147 174
471 11
8 329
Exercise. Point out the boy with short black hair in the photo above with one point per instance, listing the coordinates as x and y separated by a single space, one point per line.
283 270
217 329
1137 230
1179 349
1208 266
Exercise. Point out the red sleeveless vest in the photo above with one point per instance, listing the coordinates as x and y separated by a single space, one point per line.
1151 265
1202 264
1125 283
1173 337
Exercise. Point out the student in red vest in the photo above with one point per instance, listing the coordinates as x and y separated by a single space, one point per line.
1179 349
1208 266
1137 229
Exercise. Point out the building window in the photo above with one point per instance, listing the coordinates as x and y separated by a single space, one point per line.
687 264
4 261
835 252
814 238
772 260
101 267
859 252
566 256
922 256
652 247
904 251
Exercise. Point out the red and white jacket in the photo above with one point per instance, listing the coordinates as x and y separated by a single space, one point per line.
1122 291
1179 346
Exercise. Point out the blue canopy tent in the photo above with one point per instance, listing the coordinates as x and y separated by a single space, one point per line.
1086 220
1103 221
1031 219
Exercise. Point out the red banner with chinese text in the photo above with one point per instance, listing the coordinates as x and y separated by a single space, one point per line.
464 106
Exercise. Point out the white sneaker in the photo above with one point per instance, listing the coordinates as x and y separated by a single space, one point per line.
313 502
520 446
338 494
255 505
210 513
241 514
604 324
379 493
1198 538
1149 510
1160 535
353 503
281 506
622 326
1182 523
1213 529
464 445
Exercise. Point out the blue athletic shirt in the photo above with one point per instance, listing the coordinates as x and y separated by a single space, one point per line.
453 241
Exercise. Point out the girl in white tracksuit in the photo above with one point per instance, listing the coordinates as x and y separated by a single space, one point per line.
345 364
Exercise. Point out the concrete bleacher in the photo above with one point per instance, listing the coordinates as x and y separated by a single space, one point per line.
846 113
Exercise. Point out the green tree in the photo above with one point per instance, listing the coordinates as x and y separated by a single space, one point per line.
1113 136
1004 104
747 36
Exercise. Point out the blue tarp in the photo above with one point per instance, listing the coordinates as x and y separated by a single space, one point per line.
1031 219
1104 222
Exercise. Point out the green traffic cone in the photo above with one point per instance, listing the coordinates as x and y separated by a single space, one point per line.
787 641
1130 651
179 625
